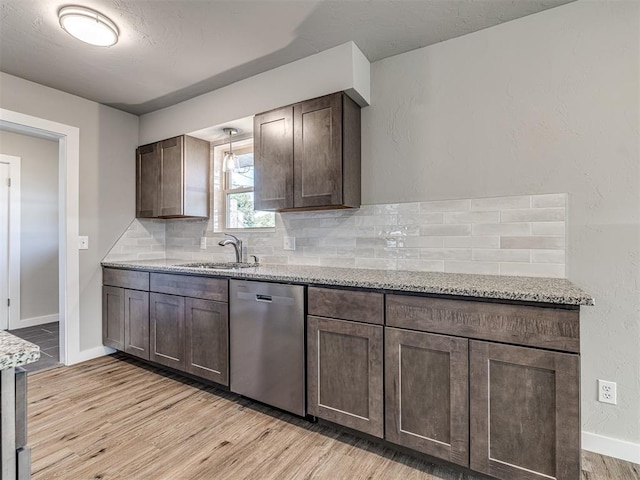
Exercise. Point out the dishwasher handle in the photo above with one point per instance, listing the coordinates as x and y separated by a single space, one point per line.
262 298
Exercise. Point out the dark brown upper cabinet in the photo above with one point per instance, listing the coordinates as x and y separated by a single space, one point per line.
172 178
307 155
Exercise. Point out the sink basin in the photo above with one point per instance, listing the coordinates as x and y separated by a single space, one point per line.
218 265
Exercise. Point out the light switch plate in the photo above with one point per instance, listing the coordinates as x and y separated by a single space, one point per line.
83 242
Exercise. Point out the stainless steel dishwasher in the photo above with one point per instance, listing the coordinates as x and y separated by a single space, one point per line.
267 343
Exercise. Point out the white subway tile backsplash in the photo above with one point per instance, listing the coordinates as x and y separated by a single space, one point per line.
550 200
421 265
472 242
548 256
548 228
445 230
501 229
533 215
518 235
445 253
533 269
501 203
497 255
472 217
547 243
482 268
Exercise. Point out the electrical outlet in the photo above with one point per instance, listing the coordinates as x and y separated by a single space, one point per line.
289 243
607 392
203 243
83 242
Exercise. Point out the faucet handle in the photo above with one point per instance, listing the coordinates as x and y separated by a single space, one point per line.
255 259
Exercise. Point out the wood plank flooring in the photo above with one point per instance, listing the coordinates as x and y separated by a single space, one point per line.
115 418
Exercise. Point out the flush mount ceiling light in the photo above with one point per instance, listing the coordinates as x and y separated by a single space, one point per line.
88 25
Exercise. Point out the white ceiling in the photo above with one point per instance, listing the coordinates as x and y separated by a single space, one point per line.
173 50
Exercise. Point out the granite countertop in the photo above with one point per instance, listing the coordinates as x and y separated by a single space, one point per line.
527 289
15 351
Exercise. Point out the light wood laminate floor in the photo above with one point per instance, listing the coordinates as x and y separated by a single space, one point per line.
114 418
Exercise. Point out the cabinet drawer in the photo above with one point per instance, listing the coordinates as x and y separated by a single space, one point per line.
545 327
190 286
346 305
125 278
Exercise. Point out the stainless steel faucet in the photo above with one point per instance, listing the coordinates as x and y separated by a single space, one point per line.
237 245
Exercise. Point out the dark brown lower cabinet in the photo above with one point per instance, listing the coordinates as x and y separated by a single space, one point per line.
345 373
207 339
525 412
166 321
113 317
136 323
427 397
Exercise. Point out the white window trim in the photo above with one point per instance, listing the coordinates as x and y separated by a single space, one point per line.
219 192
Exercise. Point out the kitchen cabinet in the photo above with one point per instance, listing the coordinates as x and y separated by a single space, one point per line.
125 311
166 320
172 178
525 412
136 323
190 325
179 321
344 373
426 388
207 339
307 155
524 401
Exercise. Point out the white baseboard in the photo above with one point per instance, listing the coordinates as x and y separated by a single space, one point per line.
612 447
89 354
35 321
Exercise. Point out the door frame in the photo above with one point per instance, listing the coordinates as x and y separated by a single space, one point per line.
68 138
14 239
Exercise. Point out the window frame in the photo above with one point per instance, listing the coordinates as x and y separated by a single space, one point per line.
242 146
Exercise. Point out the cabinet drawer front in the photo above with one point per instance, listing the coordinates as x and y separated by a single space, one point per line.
190 286
125 278
346 304
552 328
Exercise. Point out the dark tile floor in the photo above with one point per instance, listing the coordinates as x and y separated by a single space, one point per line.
47 337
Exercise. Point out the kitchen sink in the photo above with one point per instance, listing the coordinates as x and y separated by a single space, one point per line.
218 265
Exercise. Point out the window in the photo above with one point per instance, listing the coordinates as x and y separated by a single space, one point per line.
238 194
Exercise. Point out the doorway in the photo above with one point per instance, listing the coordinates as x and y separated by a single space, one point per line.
68 139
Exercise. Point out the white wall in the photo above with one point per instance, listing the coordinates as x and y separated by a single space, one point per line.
108 139
546 103
38 221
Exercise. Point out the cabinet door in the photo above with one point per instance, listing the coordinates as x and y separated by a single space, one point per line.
171 177
166 319
525 412
207 339
136 323
147 180
273 159
318 152
344 373
426 381
113 317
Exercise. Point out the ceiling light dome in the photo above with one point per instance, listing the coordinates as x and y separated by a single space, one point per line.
88 25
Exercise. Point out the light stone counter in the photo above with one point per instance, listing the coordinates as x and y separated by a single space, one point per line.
526 289
15 351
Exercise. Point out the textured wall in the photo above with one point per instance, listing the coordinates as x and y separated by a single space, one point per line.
108 139
546 103
38 222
